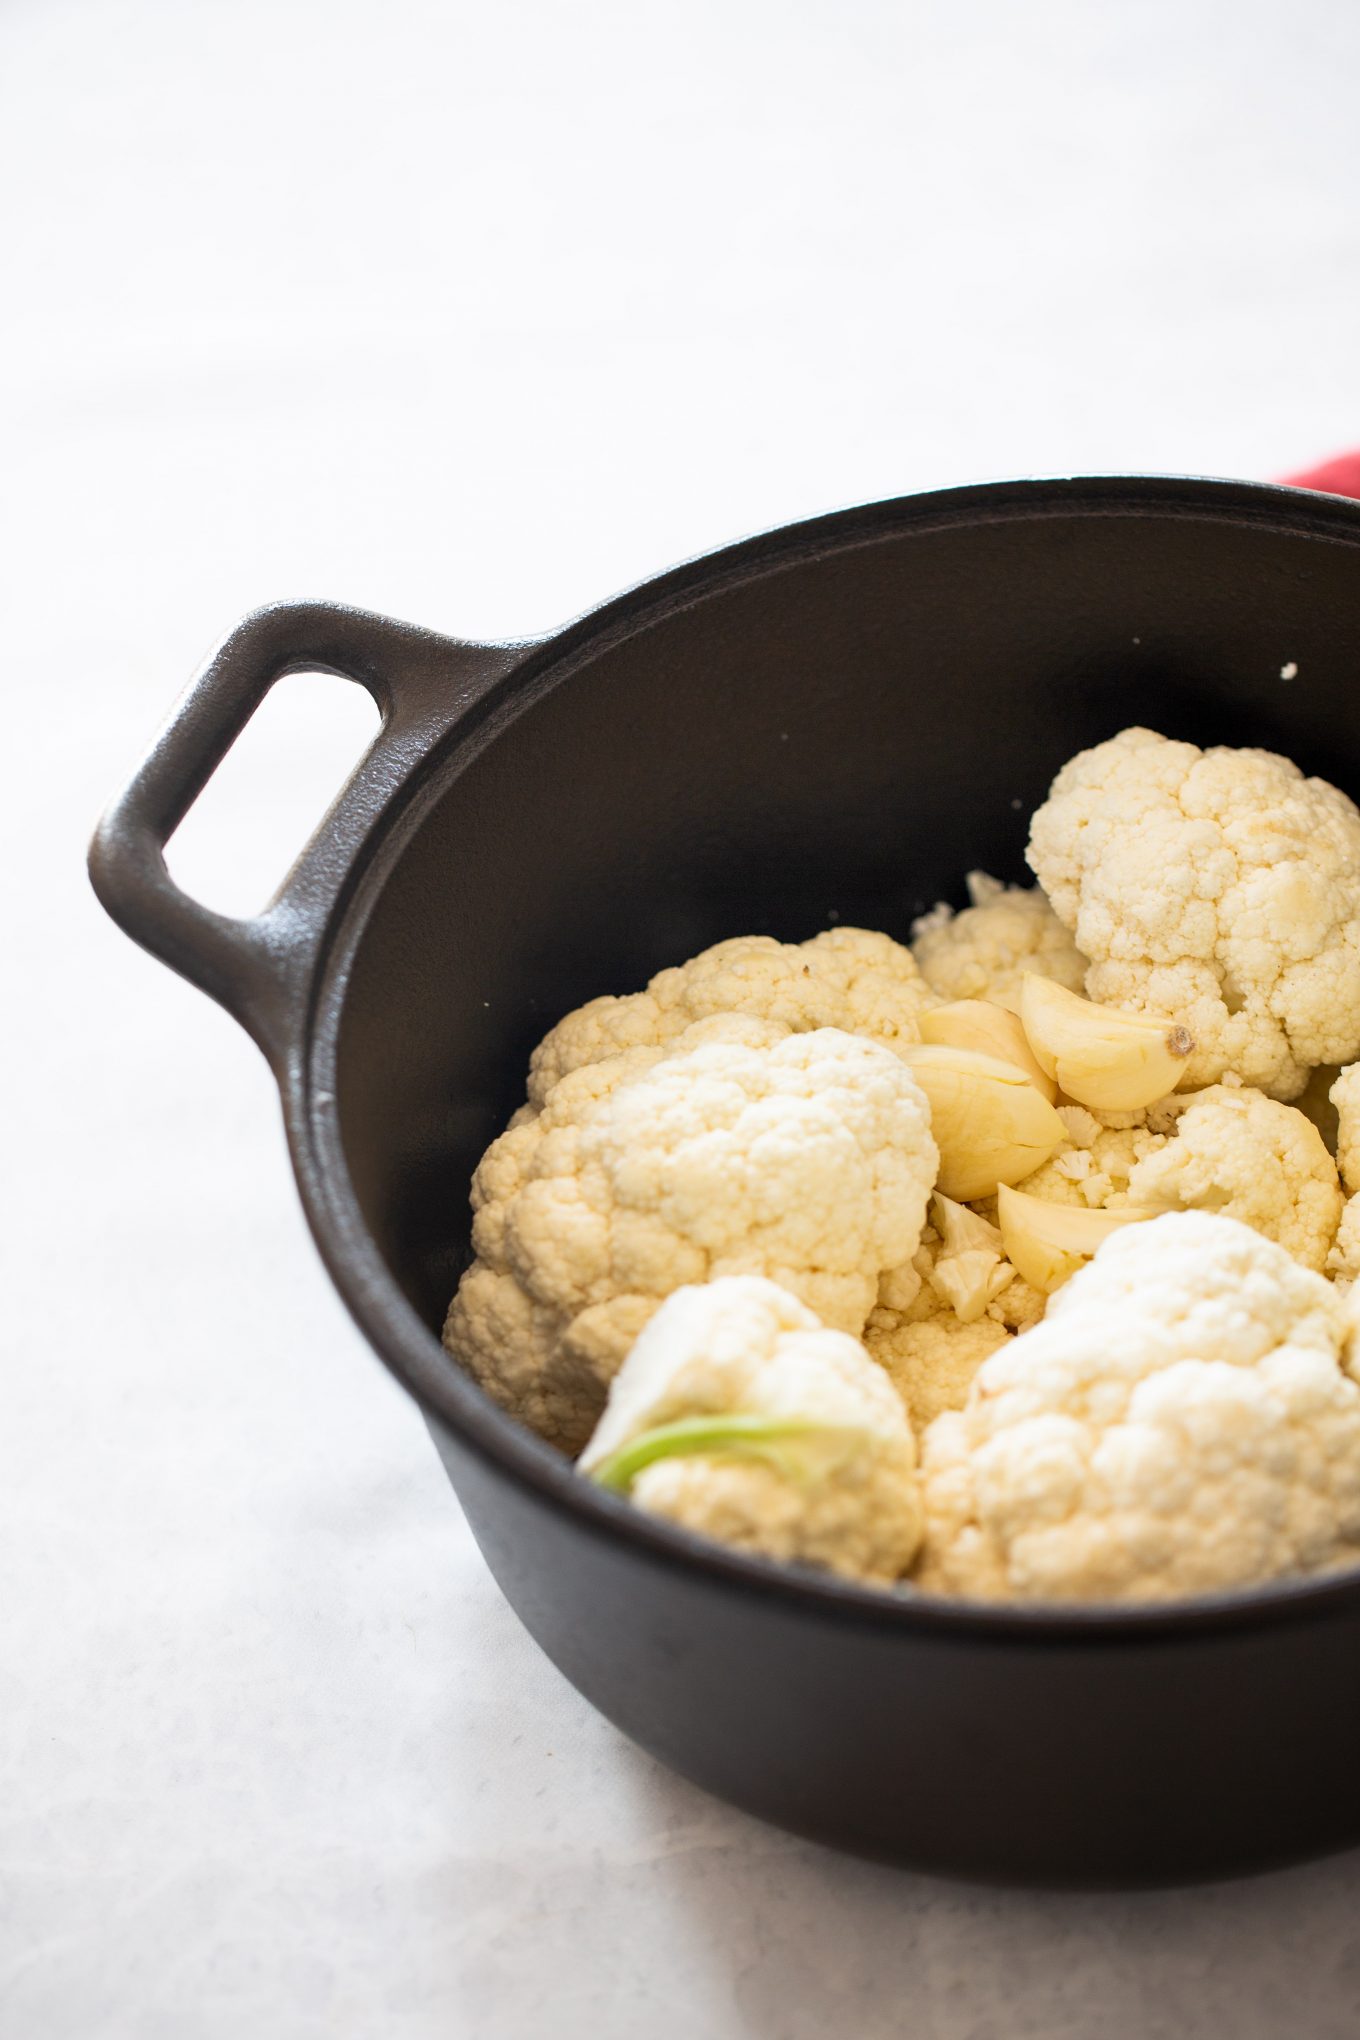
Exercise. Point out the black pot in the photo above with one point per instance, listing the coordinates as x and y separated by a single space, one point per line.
829 723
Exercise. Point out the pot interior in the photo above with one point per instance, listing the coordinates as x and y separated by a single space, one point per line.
836 734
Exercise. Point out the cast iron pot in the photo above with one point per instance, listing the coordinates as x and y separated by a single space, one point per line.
829 723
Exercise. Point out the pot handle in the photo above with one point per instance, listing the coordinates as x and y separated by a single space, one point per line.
423 684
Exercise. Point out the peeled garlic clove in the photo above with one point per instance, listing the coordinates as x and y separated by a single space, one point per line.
988 1030
1047 1243
969 1281
1105 1059
989 1122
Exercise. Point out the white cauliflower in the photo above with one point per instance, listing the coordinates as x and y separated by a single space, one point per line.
739 1415
850 978
1219 887
1181 1422
1345 1096
969 1268
1315 1103
1343 1257
1016 1307
737 1149
984 951
1096 1173
1019 1306
1083 1127
930 1355
930 1351
1250 1158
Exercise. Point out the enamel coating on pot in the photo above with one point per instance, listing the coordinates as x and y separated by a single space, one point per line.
829 723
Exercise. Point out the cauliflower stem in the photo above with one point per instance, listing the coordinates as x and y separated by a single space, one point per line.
796 1447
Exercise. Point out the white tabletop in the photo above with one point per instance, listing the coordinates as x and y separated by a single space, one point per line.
473 314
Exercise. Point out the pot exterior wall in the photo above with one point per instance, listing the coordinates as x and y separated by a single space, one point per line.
1160 1759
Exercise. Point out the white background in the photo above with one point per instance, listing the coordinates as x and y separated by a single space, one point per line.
473 314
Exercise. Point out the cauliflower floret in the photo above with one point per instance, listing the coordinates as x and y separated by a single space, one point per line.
1315 1102
1083 1128
1097 1173
739 1415
1220 887
1019 1306
850 978
1345 1096
931 1356
1244 1155
984 952
1180 1422
1343 1258
738 1149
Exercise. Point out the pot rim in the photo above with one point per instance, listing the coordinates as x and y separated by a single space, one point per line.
412 1352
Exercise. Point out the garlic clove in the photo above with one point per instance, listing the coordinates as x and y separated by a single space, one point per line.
1104 1059
1047 1243
989 1030
989 1122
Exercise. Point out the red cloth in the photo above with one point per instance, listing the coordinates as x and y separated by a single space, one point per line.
1339 477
